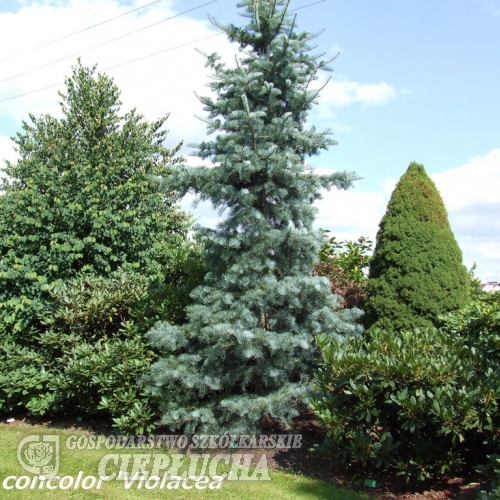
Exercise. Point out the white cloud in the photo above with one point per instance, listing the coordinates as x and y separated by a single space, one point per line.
345 92
155 85
476 181
470 193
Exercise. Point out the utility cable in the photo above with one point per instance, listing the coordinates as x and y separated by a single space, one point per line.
130 62
116 66
80 31
103 43
308 5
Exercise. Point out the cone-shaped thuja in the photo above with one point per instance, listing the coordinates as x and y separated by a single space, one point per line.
416 272
248 349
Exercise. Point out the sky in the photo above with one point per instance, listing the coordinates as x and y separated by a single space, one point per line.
411 81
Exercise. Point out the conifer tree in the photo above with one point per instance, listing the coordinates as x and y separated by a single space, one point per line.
416 272
248 348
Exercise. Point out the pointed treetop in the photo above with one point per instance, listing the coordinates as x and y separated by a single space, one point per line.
417 196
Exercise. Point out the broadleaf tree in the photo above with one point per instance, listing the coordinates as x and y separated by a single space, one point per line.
248 349
416 272
80 199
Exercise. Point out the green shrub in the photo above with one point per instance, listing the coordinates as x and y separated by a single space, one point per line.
492 471
25 379
101 378
82 199
344 264
478 324
409 402
93 350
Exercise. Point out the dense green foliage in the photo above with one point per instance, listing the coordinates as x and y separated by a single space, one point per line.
410 402
416 272
248 348
491 470
417 401
92 254
80 200
479 323
91 352
344 265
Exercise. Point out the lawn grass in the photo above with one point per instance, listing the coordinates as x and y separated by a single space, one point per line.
281 486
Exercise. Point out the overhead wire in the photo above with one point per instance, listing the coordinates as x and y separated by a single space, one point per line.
79 31
116 66
104 43
140 58
309 5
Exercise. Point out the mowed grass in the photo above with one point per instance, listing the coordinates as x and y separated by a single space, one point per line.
281 485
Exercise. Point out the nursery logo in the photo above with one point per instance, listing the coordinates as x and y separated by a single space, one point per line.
39 454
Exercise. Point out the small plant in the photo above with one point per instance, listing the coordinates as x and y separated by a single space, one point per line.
478 324
344 264
352 256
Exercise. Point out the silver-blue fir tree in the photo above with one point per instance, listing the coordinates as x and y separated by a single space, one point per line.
248 348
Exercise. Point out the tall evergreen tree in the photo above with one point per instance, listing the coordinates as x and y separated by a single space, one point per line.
416 272
248 349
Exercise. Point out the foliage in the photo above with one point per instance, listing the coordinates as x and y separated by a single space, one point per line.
479 324
24 379
248 348
344 265
492 471
474 281
410 402
89 357
81 199
93 349
92 254
101 377
352 256
416 272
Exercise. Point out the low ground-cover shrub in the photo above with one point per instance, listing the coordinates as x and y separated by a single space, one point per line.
408 402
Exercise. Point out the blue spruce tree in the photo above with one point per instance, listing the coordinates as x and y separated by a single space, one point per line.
248 348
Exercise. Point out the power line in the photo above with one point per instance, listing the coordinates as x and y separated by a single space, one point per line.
161 52
80 31
135 60
116 66
309 5
31 92
104 43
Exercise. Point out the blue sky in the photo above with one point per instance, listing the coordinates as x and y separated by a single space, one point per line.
414 81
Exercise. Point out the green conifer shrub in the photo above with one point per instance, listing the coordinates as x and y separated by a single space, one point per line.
416 272
248 348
